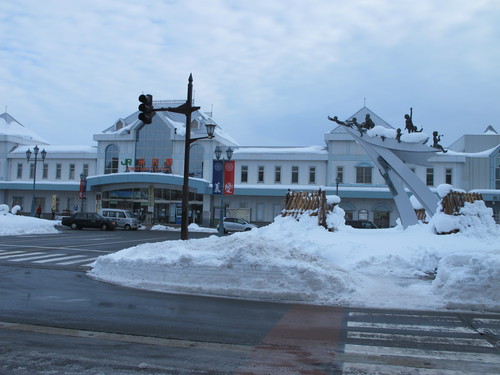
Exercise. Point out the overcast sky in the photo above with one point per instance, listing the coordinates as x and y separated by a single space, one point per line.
272 71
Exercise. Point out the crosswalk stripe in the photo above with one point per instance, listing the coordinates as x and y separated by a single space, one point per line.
55 259
422 353
371 368
408 327
31 257
43 257
455 341
91 263
18 255
75 261
396 343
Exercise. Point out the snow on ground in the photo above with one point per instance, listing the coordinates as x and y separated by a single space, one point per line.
297 261
13 225
191 228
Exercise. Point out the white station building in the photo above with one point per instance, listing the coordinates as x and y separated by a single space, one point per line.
139 167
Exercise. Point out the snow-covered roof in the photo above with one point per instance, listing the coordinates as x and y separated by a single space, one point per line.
490 130
282 150
9 126
176 120
51 149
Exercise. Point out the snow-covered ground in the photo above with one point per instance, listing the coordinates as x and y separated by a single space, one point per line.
13 225
297 261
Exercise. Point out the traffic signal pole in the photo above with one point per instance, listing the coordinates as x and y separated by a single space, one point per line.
186 109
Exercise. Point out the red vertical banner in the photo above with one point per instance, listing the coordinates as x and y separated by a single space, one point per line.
83 189
229 177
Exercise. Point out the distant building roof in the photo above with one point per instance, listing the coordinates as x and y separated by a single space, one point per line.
360 118
490 130
9 126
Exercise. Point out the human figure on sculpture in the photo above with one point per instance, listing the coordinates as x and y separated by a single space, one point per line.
437 138
398 135
409 123
368 124
350 123
336 119
358 126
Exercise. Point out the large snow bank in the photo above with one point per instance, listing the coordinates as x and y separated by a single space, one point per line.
297 261
13 225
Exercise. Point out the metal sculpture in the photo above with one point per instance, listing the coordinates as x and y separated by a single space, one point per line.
390 153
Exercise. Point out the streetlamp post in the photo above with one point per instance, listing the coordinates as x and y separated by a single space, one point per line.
43 153
229 155
337 180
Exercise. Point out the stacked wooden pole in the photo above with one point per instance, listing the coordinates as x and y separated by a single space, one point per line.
453 201
298 203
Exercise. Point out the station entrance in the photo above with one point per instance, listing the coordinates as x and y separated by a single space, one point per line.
154 205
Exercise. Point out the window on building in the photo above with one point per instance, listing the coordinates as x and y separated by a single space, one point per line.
312 175
349 215
429 177
363 175
154 141
295 175
32 170
244 173
86 169
449 176
497 172
56 205
71 175
260 176
363 215
381 216
196 160
111 159
45 173
340 175
71 205
277 174
20 170
58 171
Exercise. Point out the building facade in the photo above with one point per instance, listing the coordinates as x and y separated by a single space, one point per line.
139 167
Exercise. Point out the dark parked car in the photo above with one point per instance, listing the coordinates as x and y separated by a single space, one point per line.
87 220
361 224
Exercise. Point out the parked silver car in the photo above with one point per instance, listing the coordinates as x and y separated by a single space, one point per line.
122 218
234 224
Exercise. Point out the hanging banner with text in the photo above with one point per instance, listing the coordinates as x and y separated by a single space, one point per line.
83 189
217 177
229 177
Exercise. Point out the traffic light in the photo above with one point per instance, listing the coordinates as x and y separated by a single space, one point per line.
146 108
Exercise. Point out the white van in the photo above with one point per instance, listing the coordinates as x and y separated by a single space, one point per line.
122 218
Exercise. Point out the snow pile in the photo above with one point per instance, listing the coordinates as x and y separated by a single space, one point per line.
382 131
193 227
298 261
465 277
13 225
474 218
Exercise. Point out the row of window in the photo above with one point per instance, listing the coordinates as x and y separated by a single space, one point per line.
363 175
45 171
277 174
